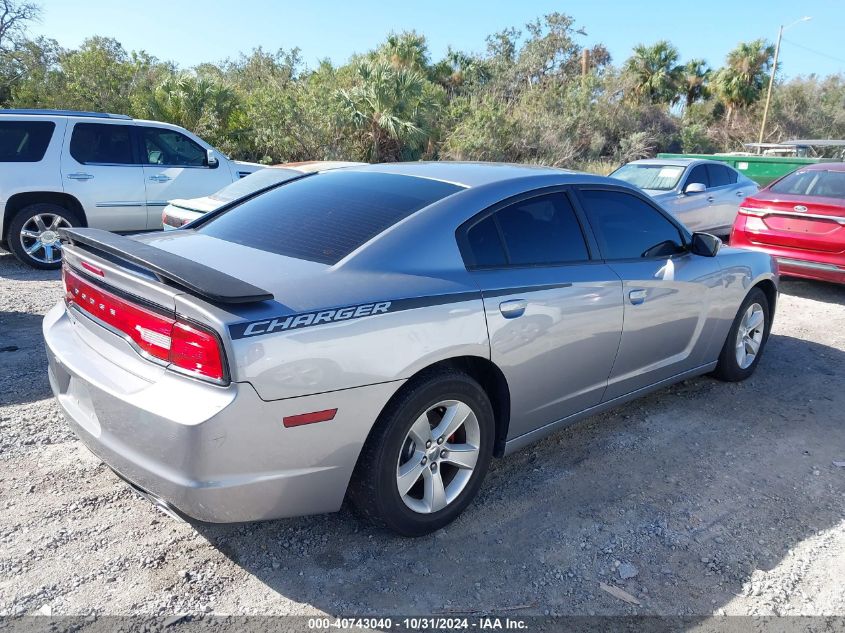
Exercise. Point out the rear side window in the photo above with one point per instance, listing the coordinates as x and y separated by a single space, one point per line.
324 217
99 143
534 232
629 228
24 141
719 176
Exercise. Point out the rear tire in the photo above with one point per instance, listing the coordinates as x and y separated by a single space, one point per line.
746 339
33 236
426 456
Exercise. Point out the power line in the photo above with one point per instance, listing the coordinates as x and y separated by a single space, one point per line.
812 50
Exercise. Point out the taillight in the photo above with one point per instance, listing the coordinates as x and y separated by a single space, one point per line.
184 346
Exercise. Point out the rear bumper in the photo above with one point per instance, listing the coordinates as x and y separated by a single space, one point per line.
216 454
793 262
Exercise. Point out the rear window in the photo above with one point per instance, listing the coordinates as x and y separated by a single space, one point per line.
812 182
324 217
254 182
24 141
102 143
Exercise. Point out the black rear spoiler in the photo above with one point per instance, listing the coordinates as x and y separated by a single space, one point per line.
199 279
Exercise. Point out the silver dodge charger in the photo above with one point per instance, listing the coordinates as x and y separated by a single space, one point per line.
379 333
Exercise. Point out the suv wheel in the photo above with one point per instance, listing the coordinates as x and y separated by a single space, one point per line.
427 455
33 234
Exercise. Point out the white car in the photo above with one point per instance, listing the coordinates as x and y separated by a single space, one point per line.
180 212
65 168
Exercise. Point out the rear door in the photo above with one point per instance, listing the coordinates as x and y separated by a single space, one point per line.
726 197
666 289
175 166
554 313
100 168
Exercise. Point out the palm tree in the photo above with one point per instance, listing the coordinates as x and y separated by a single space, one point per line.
406 50
389 106
188 100
457 69
654 72
740 83
694 77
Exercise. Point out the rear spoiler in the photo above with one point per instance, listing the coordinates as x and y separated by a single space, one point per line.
199 279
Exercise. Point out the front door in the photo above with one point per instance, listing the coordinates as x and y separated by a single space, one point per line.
666 290
100 168
554 315
175 166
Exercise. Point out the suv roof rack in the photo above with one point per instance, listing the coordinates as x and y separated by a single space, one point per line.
93 115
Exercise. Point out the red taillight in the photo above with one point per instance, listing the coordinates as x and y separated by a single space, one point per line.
184 346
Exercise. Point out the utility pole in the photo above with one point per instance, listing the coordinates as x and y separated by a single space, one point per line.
772 80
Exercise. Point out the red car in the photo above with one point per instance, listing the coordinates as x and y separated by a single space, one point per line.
800 220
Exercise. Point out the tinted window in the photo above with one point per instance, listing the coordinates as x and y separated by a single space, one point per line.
168 147
628 228
812 182
102 143
256 181
24 141
485 244
718 175
699 174
537 231
325 217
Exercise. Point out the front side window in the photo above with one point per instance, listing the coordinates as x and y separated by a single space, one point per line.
24 141
538 231
101 143
171 148
719 175
698 175
629 228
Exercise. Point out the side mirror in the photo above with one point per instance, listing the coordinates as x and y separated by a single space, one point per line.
695 187
211 160
705 244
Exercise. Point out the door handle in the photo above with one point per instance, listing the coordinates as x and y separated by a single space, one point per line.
80 176
740 194
514 308
160 178
710 198
637 296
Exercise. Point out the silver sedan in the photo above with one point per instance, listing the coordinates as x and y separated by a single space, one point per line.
703 194
380 333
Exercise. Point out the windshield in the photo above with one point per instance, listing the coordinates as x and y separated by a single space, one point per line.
812 182
650 176
260 179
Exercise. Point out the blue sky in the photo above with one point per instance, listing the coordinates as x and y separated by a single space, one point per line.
191 31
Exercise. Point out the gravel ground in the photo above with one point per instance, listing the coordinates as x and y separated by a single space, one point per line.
702 498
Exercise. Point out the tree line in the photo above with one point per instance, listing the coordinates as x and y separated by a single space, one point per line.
534 95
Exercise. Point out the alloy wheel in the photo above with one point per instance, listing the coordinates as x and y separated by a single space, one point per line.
438 456
749 336
40 237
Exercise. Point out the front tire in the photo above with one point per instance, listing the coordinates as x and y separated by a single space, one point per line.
746 339
426 456
33 234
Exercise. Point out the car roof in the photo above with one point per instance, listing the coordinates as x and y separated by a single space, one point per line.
465 174
310 166
679 162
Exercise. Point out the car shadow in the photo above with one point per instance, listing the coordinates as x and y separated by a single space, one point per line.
23 361
815 290
696 486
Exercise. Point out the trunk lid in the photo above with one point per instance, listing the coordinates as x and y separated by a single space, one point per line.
813 223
